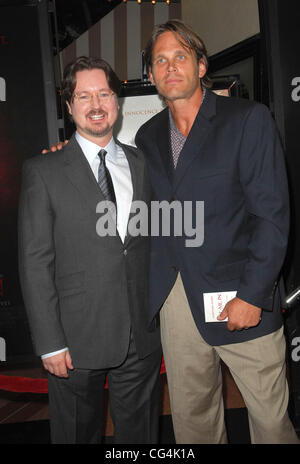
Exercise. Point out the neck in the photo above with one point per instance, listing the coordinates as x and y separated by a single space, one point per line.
184 111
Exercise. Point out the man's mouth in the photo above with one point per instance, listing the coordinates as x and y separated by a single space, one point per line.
96 117
173 80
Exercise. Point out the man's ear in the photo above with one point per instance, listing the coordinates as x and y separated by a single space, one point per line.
202 68
69 108
151 76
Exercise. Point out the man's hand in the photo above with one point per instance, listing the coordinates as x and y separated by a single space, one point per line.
241 315
58 364
56 147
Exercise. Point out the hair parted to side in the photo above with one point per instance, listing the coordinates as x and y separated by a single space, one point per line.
83 63
186 36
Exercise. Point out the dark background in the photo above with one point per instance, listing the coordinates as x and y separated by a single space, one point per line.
23 131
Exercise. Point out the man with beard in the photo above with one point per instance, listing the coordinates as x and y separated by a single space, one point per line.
85 291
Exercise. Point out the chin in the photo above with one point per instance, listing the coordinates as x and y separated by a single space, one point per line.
99 132
172 97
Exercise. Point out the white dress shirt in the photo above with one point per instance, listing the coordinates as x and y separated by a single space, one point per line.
117 164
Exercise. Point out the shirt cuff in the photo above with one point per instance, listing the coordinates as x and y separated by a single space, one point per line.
48 355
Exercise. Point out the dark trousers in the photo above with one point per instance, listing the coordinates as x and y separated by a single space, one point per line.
76 402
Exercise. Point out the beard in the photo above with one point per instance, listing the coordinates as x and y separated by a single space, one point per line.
100 131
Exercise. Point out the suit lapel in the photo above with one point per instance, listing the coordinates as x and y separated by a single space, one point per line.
80 174
156 146
136 170
196 138
164 144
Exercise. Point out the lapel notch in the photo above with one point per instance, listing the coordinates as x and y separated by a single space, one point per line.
80 174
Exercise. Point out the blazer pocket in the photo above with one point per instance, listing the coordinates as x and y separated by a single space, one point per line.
230 271
211 172
70 303
70 284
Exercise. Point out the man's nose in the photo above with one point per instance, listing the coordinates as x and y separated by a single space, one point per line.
95 100
171 66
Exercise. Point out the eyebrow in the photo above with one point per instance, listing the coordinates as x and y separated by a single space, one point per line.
89 92
181 50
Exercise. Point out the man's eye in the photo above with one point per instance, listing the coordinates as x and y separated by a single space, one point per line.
160 60
83 97
104 94
180 57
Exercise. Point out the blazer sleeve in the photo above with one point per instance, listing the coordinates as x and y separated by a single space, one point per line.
37 262
264 182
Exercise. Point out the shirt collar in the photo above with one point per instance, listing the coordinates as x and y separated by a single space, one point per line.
91 149
173 127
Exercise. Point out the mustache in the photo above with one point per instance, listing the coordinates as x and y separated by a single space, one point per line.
94 112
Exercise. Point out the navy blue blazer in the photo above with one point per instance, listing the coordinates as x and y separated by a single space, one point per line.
232 161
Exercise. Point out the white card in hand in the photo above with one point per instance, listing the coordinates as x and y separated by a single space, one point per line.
214 304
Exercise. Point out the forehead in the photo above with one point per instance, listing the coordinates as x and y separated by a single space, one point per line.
168 42
91 79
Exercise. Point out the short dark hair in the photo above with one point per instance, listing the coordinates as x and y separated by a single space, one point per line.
188 39
87 63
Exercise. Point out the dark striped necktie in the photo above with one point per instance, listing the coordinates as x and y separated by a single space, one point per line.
106 185
104 179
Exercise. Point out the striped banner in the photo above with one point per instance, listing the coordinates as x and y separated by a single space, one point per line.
121 35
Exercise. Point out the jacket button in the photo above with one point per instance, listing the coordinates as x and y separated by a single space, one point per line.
125 252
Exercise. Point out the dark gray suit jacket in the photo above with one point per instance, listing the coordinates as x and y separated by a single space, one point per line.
232 160
81 290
